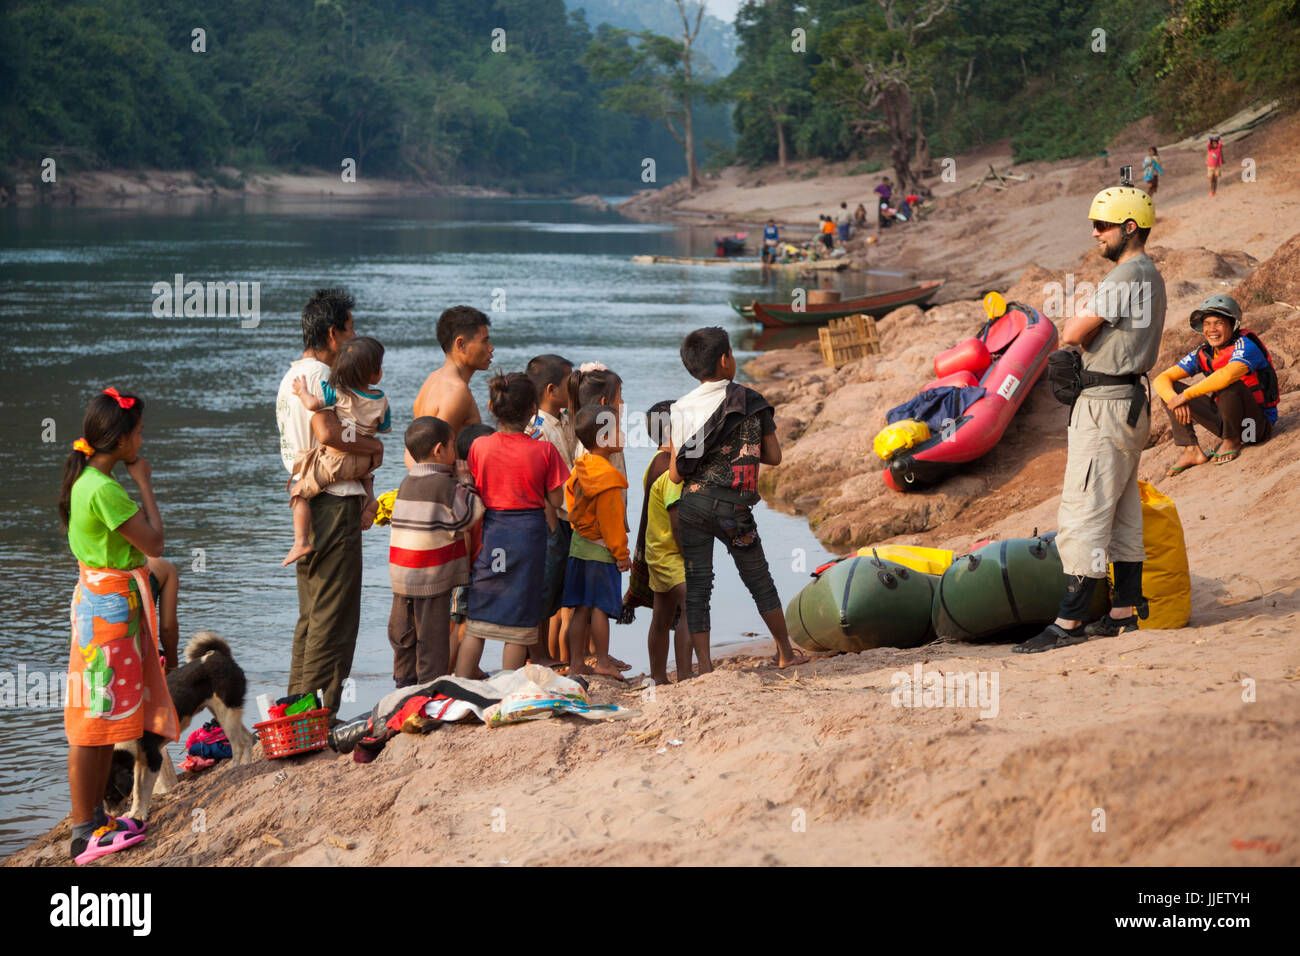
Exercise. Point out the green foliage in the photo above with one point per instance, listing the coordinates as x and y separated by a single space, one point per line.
1211 57
1027 69
404 87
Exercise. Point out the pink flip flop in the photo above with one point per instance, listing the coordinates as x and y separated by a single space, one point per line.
131 827
104 842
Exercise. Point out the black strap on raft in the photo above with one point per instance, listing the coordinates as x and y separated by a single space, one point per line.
943 605
844 604
1006 582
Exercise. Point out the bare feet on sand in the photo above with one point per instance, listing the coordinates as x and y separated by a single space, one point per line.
296 552
606 666
793 661
1190 458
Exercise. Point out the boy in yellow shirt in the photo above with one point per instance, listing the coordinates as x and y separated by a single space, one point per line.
663 554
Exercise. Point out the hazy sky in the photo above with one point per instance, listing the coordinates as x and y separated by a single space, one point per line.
724 10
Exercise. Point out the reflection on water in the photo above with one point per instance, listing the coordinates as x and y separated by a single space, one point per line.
76 310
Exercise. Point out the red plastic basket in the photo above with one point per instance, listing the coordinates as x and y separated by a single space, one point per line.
299 734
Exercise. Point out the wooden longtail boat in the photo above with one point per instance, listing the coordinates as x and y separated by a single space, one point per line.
818 265
781 315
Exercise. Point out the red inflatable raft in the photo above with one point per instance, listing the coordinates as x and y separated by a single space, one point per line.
1006 359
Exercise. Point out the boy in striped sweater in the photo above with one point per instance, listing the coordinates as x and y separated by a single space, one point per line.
426 556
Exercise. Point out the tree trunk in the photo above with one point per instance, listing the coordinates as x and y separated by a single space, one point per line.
780 144
688 119
897 107
924 164
688 122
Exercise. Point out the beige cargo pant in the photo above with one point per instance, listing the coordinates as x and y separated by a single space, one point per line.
1100 518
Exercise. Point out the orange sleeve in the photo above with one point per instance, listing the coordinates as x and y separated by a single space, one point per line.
1164 382
610 518
1219 380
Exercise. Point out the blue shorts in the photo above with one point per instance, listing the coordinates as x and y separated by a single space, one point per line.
597 584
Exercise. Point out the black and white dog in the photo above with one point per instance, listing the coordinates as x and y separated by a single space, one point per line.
209 678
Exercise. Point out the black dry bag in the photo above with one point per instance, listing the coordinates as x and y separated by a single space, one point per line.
1065 375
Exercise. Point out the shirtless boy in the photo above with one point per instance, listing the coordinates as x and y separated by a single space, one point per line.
463 334
445 394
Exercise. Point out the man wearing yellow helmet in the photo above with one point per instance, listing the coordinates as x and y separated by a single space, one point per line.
1100 517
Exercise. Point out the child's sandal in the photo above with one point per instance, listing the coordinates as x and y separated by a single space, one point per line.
105 841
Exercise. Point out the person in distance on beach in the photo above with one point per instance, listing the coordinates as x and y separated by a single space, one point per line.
771 239
721 434
1214 162
1100 517
844 222
1151 171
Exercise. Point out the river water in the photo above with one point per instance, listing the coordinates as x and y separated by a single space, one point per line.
76 311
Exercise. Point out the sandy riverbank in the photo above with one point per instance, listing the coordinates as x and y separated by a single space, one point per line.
753 766
102 187
1182 739
980 239
828 419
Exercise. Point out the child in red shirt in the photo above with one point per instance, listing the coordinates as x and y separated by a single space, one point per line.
516 478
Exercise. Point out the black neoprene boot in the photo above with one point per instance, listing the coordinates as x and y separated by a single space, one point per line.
1128 591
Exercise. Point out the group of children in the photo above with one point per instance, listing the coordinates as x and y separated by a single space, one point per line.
519 534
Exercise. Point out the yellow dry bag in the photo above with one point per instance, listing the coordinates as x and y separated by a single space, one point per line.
1166 580
925 560
898 436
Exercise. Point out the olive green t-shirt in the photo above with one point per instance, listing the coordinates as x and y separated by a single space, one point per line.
1131 300
99 506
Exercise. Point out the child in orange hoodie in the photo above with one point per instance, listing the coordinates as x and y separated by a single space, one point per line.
593 581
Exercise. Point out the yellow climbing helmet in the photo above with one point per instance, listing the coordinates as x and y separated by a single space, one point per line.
1121 203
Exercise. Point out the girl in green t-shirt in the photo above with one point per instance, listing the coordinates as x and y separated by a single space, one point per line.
116 689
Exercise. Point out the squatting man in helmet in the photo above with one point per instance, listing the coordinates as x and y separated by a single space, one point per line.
1236 400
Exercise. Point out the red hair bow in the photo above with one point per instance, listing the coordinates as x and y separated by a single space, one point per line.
123 402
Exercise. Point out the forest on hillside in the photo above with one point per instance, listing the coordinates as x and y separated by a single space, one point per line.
407 88
528 94
1060 77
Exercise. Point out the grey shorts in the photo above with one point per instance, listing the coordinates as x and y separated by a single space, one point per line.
459 602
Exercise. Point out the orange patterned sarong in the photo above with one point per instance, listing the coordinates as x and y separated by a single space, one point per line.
116 686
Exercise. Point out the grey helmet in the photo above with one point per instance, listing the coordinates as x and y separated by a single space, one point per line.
1224 305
